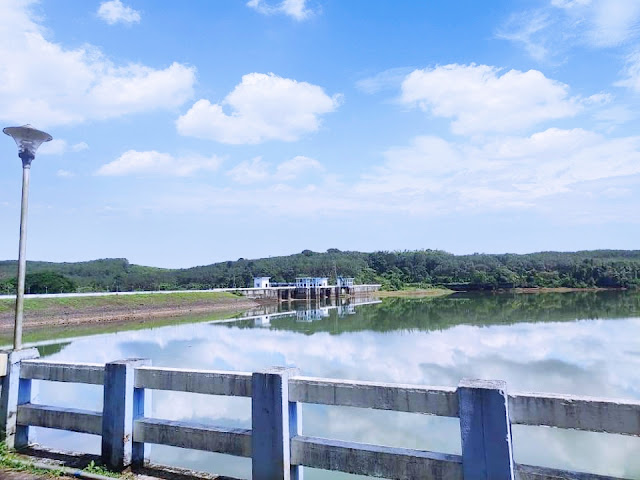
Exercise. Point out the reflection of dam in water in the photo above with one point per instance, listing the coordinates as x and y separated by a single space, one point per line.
312 312
308 288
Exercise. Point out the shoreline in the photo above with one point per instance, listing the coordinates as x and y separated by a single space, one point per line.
562 289
120 311
55 317
419 292
439 292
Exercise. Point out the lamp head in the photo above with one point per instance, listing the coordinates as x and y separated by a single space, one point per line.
28 140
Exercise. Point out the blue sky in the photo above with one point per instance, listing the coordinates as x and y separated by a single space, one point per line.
192 132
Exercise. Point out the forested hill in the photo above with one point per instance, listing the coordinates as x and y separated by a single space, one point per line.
394 270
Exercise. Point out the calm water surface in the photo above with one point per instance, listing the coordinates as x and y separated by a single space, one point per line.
580 343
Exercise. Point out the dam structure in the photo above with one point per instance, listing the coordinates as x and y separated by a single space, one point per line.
308 288
278 291
275 443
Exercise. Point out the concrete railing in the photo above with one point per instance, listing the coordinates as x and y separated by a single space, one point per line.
275 442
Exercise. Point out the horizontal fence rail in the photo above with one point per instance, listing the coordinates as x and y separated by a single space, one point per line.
71 419
374 460
91 373
579 413
233 441
442 401
529 472
209 382
275 442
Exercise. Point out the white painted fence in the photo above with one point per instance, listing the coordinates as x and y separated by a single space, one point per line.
275 442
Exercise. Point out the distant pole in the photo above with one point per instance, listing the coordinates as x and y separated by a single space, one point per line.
28 140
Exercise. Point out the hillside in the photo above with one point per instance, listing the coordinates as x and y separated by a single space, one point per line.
394 270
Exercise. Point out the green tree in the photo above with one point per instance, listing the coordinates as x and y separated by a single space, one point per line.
48 282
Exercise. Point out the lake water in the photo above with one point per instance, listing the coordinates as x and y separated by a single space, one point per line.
583 343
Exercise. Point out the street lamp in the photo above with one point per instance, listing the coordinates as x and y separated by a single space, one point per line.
28 140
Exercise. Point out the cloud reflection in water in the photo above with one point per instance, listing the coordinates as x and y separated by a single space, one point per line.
590 357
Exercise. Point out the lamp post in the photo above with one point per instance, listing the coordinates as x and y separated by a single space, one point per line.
28 140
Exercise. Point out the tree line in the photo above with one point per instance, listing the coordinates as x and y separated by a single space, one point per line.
393 269
441 313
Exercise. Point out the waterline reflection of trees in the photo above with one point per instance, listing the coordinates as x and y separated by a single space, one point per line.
440 313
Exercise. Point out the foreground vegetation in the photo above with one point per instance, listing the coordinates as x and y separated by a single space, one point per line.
394 270
10 461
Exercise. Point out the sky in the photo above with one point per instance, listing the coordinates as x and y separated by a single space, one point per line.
187 133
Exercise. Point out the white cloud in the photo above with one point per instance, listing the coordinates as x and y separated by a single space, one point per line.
114 12
391 78
296 9
291 169
133 162
257 170
631 73
570 3
548 32
598 99
79 147
432 176
526 29
479 99
59 146
65 174
250 171
604 23
617 192
46 84
53 147
263 107
615 115
508 172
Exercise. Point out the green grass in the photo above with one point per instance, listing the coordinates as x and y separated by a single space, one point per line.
414 292
142 299
10 461
6 305
62 332
100 470
78 304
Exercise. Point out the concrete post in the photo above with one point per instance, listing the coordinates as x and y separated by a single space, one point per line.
485 430
295 429
122 405
15 391
274 420
140 453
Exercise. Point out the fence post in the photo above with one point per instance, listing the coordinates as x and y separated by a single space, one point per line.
15 391
295 429
140 452
485 430
273 420
122 404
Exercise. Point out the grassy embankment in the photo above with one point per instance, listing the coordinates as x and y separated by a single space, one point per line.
50 318
414 292
111 301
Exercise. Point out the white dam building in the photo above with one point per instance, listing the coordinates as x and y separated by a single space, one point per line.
261 282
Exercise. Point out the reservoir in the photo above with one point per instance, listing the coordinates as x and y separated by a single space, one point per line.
581 343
